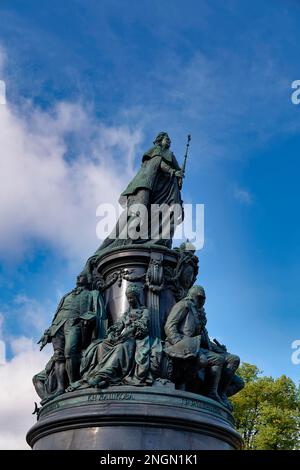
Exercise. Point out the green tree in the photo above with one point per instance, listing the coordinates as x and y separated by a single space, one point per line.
267 411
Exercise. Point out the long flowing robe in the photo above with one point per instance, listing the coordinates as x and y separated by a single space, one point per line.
126 355
153 184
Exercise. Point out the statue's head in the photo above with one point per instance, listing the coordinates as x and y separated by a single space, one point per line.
163 140
133 293
197 293
82 280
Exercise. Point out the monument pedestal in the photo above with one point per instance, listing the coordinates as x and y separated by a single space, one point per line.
134 418
135 298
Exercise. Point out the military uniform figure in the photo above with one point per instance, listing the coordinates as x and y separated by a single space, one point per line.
187 337
65 332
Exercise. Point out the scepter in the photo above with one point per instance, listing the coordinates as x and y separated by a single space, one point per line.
186 154
184 160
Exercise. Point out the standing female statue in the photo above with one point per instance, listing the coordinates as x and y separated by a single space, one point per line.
158 182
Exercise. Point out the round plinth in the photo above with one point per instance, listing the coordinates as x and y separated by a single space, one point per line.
133 418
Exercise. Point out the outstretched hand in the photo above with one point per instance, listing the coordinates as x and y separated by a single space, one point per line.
45 339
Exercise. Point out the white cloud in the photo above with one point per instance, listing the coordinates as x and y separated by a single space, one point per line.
17 395
232 103
43 194
243 196
56 167
32 315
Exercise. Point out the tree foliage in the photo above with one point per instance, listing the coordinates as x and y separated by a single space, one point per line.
267 411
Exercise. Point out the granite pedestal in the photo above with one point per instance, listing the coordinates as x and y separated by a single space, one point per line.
134 418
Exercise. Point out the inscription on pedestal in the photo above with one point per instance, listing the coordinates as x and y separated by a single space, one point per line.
110 396
204 406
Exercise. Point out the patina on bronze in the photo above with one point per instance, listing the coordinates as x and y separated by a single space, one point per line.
131 349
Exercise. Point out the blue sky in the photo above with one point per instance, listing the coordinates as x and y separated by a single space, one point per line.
91 83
